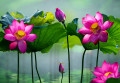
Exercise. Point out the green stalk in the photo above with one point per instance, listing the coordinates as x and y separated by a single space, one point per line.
37 68
82 65
18 68
68 53
97 56
62 77
32 67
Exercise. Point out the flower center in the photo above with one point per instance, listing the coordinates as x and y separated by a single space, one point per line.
20 34
106 74
94 27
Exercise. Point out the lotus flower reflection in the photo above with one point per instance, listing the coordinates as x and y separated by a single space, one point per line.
94 29
19 34
105 72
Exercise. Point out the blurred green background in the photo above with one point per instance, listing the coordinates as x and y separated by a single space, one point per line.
48 63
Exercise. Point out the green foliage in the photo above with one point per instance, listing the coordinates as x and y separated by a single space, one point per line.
17 15
40 18
73 40
113 80
47 36
105 47
49 33
114 31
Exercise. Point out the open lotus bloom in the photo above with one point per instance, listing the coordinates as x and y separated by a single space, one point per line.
94 28
105 72
18 34
61 68
60 16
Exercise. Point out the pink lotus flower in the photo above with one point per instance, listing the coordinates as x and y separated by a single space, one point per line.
19 34
94 29
60 15
61 68
105 72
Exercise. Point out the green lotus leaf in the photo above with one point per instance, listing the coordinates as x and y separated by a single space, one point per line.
39 18
113 80
105 47
47 36
17 15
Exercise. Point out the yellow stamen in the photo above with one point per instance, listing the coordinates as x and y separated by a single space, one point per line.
95 25
106 74
20 34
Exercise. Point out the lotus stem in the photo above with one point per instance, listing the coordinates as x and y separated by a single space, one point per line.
32 67
37 68
97 56
82 65
68 53
18 68
62 77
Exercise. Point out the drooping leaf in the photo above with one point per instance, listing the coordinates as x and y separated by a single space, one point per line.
6 20
50 17
37 21
39 13
17 15
113 80
47 36
40 18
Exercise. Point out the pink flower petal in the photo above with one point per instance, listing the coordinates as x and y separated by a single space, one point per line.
84 31
98 69
10 37
15 23
22 25
13 45
115 67
89 17
12 29
103 36
105 67
87 23
97 74
86 38
7 31
107 25
28 29
96 80
31 37
22 46
118 74
94 38
99 17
